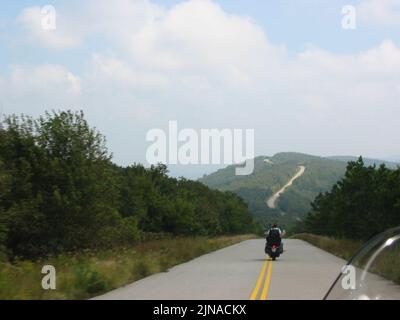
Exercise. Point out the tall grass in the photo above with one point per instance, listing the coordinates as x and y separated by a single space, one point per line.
343 248
86 274
386 264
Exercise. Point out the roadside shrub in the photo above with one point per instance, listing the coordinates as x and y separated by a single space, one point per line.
124 232
90 280
141 269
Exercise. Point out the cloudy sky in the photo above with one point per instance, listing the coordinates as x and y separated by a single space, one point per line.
286 69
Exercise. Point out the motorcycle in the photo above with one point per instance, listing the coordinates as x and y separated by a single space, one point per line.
274 250
274 245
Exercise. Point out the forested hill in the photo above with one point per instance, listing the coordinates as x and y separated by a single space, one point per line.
271 174
60 191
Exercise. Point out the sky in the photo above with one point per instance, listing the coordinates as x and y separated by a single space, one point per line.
287 69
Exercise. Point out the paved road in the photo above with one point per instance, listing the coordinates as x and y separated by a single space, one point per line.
242 272
271 202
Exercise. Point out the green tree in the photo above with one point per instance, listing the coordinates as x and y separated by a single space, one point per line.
363 203
60 191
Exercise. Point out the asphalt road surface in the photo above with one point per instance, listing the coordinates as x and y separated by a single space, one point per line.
241 272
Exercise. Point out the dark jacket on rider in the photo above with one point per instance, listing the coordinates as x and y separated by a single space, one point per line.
274 235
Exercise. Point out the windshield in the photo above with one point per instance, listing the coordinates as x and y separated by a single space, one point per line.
373 273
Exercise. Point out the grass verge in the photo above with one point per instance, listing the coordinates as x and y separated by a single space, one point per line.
87 274
385 265
342 248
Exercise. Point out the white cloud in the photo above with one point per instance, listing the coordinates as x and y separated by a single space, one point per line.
111 71
377 66
193 38
35 89
207 68
31 20
42 80
380 12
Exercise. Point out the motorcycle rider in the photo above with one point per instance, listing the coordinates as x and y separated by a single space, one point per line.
275 226
274 235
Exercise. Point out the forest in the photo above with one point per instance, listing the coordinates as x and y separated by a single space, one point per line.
364 202
61 192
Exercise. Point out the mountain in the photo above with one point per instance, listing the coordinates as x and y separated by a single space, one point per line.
393 158
272 173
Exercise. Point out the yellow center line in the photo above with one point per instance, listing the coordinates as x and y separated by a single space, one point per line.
254 293
266 284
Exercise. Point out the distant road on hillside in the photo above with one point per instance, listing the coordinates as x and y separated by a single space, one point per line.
271 202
